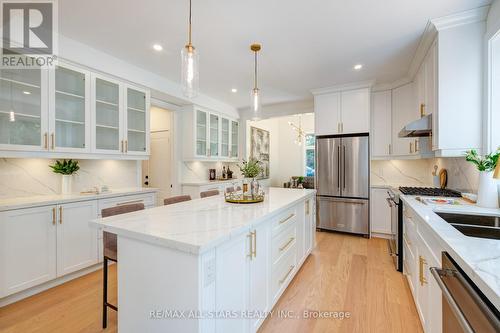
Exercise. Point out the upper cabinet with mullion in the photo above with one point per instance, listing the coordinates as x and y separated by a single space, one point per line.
209 135
108 120
136 130
69 109
24 109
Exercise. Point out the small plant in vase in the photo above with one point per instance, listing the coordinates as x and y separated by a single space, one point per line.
250 169
487 194
66 168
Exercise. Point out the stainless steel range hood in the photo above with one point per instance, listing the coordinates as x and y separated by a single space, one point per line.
418 128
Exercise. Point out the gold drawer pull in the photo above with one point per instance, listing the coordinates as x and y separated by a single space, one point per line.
60 215
129 202
287 274
54 214
287 243
422 278
288 218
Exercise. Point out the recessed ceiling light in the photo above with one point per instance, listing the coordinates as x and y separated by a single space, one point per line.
157 47
358 67
234 90
26 93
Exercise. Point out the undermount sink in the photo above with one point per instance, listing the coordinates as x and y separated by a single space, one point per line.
482 226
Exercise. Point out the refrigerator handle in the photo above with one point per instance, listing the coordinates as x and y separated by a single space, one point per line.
338 169
344 166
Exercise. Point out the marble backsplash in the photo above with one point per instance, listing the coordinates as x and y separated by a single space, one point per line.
29 177
198 171
462 175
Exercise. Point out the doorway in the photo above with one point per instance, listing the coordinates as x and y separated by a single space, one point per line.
157 171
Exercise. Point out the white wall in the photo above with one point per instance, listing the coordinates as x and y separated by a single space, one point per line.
286 157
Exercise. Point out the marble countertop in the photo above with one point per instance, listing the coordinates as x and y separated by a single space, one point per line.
208 182
44 200
479 258
198 225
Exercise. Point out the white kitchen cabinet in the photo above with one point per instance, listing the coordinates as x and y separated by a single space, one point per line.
24 116
355 106
208 135
232 274
28 248
69 109
342 111
76 241
327 117
260 267
403 112
71 112
381 131
380 220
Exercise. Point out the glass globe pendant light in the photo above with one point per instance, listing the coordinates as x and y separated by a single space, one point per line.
189 57
256 96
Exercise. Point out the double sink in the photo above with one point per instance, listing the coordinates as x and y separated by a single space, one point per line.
482 226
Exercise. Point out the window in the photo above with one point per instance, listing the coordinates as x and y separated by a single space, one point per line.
310 159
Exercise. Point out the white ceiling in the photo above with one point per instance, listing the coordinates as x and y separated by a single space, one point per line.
306 44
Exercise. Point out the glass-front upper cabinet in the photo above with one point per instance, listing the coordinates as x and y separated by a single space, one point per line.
234 138
224 143
23 109
69 109
137 121
201 133
214 135
107 116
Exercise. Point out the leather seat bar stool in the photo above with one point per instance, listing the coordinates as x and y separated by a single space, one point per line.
210 193
176 199
110 253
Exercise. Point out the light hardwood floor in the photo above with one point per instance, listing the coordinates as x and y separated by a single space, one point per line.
344 273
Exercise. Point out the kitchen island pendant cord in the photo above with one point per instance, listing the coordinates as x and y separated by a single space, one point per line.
189 63
256 98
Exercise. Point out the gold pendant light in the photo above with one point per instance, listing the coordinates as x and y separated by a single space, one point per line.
189 75
256 97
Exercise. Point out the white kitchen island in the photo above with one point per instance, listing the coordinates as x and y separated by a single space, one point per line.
209 266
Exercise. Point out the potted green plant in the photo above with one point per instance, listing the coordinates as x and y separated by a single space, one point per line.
487 194
250 169
66 168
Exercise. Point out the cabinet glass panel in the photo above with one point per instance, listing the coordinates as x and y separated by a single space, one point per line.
234 138
201 133
20 107
224 146
70 108
136 120
107 115
214 135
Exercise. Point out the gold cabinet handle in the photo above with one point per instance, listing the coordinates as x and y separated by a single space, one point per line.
411 147
60 215
287 244
254 243
46 141
288 218
287 274
422 110
307 207
338 127
417 148
126 146
390 148
52 139
422 278
342 127
54 213
250 237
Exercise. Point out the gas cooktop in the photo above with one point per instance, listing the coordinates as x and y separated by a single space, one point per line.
430 191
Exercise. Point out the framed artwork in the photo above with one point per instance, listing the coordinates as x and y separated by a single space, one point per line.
259 148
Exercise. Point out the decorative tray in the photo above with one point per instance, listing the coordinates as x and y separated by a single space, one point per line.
239 198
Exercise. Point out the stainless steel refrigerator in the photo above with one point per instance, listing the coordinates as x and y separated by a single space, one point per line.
343 183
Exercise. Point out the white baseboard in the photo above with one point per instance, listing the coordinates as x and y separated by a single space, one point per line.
47 285
381 235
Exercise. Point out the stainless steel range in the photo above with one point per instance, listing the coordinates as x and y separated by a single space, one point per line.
430 191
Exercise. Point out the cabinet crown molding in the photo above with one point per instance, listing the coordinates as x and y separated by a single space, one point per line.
469 16
343 87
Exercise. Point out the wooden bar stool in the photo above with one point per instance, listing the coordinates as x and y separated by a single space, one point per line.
210 193
176 199
110 253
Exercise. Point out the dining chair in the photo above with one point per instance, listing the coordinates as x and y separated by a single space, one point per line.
210 193
176 199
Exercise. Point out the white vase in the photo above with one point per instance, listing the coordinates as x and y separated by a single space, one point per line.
66 184
487 194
